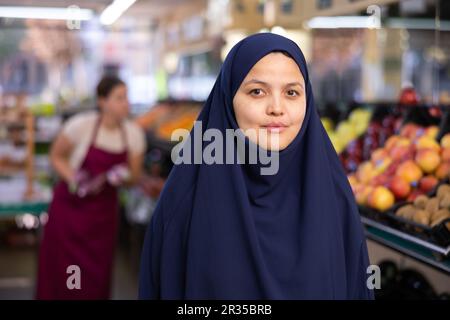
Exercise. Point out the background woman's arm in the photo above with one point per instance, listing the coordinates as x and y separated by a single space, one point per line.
59 157
135 162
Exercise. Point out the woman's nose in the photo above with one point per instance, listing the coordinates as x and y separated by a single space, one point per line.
275 107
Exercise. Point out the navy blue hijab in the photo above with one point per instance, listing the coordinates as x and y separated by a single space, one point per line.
225 231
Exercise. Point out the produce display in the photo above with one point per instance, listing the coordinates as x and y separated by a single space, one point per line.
17 138
408 165
13 152
429 211
165 118
13 133
347 130
159 123
385 122
183 119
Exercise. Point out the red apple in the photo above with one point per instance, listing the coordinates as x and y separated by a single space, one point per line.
414 194
393 167
435 112
427 183
399 152
381 180
409 96
399 187
409 131
410 154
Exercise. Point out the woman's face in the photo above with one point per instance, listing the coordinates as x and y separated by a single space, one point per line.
271 101
116 103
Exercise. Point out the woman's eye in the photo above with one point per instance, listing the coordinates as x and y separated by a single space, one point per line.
292 93
256 92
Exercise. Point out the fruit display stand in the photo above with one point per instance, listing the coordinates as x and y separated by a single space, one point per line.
423 251
411 236
405 169
35 208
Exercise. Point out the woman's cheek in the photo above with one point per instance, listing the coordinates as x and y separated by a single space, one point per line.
297 115
251 116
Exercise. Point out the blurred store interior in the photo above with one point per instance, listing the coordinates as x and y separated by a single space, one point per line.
379 68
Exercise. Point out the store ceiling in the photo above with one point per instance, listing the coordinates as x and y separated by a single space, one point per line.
95 5
142 8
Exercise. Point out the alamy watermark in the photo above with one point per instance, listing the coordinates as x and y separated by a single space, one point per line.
190 150
73 281
73 21
374 279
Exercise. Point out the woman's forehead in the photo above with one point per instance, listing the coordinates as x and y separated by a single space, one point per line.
275 67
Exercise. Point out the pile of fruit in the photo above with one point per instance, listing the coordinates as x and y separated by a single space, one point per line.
347 130
165 118
429 211
410 164
151 118
184 119
378 131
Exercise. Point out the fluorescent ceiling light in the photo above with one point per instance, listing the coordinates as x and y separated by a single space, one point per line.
343 22
48 13
370 22
417 23
115 10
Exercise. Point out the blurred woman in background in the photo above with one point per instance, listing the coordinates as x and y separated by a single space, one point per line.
95 153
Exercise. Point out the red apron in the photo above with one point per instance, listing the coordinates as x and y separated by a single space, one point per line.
81 232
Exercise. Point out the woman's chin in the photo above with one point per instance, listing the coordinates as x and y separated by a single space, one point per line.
274 143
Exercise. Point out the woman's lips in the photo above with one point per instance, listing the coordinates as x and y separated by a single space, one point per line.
275 127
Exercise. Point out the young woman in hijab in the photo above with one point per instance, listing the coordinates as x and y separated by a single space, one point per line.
226 231
95 153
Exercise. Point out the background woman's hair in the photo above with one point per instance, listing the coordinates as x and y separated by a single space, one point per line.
107 84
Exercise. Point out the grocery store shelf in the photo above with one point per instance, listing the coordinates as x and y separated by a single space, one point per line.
420 250
34 208
434 247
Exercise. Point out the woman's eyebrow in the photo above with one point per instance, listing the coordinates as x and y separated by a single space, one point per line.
296 83
256 81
